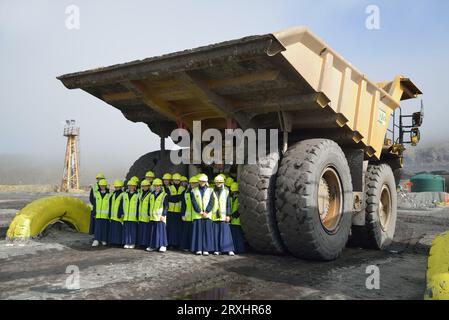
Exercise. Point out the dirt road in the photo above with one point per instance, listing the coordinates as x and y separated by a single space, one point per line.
37 269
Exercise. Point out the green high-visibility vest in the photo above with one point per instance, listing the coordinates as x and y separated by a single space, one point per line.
175 206
157 206
202 202
130 206
95 189
143 207
102 206
219 211
115 206
189 208
234 209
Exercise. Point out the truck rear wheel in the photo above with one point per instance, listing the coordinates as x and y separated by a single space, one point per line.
314 199
257 213
380 211
156 161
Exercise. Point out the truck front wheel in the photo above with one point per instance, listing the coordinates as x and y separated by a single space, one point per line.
314 199
380 210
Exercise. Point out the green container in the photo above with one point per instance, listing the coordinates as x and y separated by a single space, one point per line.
425 182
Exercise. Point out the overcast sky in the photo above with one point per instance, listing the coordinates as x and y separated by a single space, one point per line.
36 46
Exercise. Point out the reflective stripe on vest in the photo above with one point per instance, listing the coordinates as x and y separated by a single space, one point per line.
202 202
234 209
157 206
175 206
115 206
189 214
102 206
143 208
130 207
220 205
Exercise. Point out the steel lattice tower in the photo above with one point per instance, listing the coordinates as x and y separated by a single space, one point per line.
70 176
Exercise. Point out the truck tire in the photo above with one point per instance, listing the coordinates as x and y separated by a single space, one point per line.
153 161
380 210
314 199
257 213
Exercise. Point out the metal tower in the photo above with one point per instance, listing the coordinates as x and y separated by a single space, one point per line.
70 176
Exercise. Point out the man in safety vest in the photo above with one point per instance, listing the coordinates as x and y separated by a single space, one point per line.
236 229
116 214
130 215
94 189
202 203
101 209
143 234
174 217
187 215
221 216
158 218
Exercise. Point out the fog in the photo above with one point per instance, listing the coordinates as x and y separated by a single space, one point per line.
36 46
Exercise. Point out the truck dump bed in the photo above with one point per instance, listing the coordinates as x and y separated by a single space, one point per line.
289 80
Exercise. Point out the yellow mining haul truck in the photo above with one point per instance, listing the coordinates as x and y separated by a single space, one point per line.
333 177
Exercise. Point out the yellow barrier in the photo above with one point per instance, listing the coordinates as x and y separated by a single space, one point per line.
38 215
438 269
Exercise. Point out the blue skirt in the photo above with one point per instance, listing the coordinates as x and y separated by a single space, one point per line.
222 237
115 232
101 230
187 231
174 229
158 235
143 234
129 232
92 224
237 238
202 236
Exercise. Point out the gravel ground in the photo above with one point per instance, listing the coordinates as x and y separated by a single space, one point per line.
37 269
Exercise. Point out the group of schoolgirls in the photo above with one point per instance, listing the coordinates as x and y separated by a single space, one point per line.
171 212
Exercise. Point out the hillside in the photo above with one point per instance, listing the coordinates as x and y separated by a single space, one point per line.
427 158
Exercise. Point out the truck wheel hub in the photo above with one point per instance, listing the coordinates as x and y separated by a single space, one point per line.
384 207
329 199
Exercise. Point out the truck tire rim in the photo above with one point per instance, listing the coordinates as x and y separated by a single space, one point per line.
384 207
330 199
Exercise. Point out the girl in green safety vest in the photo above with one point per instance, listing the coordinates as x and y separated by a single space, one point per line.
166 178
137 180
202 203
130 215
236 229
184 182
150 176
221 216
93 190
174 217
101 209
187 215
116 214
158 218
143 228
